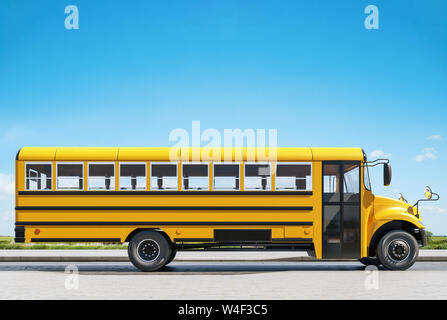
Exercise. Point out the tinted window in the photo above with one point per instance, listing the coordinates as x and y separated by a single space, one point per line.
351 183
38 177
226 177
132 177
70 176
164 176
257 177
101 176
195 177
331 183
293 177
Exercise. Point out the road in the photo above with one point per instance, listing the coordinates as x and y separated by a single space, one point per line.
221 280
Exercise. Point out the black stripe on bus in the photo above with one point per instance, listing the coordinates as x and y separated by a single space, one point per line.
159 208
291 239
190 193
163 223
193 240
75 240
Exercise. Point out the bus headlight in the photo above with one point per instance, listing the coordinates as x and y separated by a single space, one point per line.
410 210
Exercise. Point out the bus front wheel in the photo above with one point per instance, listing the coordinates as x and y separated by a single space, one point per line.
172 256
149 250
397 250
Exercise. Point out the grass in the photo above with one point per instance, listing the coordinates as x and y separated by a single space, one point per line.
434 242
8 243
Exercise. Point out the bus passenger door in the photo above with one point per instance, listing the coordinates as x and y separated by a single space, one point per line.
341 210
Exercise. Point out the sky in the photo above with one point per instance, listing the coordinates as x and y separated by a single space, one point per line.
134 71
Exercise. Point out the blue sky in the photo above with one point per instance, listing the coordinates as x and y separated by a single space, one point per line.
310 69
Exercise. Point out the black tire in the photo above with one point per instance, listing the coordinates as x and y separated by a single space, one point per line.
397 250
172 256
149 250
370 261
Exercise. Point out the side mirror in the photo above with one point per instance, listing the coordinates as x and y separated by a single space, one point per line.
386 174
428 193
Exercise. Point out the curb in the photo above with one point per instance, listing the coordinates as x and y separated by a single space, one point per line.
126 259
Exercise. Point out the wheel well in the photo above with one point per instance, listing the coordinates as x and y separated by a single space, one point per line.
390 226
134 232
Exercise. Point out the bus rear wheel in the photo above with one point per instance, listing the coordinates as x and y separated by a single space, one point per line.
149 250
397 250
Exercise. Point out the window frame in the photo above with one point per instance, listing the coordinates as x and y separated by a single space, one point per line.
39 162
290 163
163 162
130 163
208 175
260 163
88 176
227 163
366 176
57 176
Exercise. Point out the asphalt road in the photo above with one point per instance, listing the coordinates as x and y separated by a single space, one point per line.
220 280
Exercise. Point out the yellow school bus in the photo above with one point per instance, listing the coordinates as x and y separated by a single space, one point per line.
162 200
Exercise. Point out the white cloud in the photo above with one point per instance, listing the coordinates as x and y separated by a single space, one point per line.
435 137
429 153
7 188
433 209
379 154
16 133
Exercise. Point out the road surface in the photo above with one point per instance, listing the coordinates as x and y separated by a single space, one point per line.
220 280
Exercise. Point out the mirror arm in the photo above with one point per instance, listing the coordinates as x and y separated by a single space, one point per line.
431 199
376 162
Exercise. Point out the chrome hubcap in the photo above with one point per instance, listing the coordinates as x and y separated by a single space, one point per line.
398 250
148 250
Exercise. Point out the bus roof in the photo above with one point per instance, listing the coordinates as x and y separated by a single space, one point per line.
186 154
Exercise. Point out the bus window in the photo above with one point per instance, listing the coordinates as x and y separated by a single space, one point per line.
101 176
293 176
226 176
195 176
70 176
331 182
164 176
133 176
38 176
351 183
257 177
